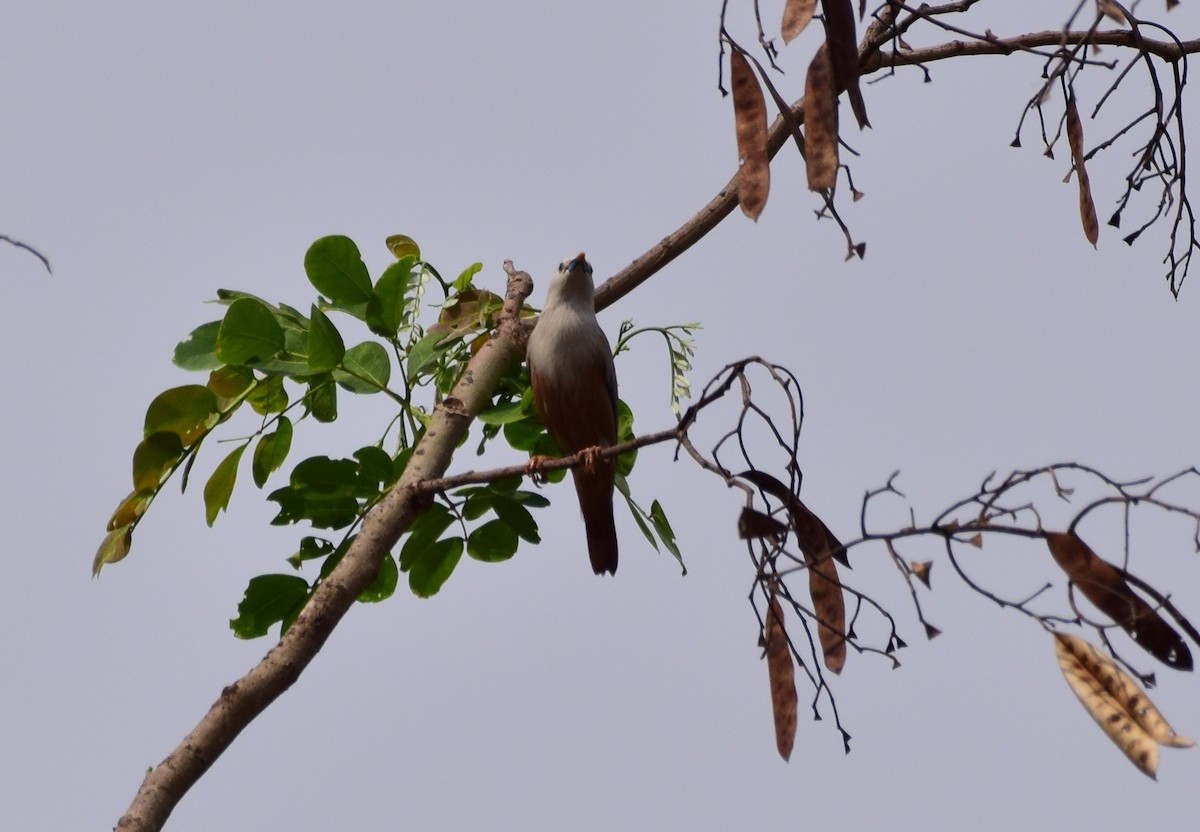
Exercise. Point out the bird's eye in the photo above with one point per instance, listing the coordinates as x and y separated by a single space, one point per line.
588 267
562 267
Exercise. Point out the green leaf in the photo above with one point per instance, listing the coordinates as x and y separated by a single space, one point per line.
366 368
374 464
199 350
269 599
463 281
249 333
323 491
228 296
503 414
506 485
325 345
516 517
289 317
434 566
156 455
188 411
230 383
331 476
424 531
636 511
492 542
268 396
625 461
335 267
113 548
402 245
663 526
529 498
477 505
311 548
384 584
321 399
292 360
426 352
219 487
271 451
385 309
524 435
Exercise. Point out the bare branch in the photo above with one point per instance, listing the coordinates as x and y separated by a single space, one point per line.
45 262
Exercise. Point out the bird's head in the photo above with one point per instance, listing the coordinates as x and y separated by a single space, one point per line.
573 283
577 263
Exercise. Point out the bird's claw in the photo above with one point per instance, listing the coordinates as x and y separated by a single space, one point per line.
535 469
589 458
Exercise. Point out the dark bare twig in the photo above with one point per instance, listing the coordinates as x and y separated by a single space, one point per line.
45 262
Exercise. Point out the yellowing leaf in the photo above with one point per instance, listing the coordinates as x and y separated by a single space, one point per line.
783 679
131 508
797 14
1116 702
153 458
219 487
750 118
189 411
113 548
401 246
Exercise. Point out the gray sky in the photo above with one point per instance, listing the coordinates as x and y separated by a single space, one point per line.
158 151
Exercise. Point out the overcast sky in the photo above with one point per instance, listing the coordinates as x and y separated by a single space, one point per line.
158 151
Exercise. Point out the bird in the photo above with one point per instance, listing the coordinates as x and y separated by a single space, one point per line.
574 385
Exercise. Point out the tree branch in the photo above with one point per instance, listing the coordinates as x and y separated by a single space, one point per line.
874 59
1168 51
246 698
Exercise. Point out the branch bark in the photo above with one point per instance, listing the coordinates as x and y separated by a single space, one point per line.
1167 50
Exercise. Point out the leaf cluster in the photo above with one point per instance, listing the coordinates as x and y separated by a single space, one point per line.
286 368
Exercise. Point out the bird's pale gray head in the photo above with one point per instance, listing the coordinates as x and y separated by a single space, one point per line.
578 262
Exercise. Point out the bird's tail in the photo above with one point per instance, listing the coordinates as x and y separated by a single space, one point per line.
595 490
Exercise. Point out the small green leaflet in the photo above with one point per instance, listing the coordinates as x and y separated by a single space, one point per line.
366 368
325 345
268 599
271 451
249 333
219 487
199 350
335 267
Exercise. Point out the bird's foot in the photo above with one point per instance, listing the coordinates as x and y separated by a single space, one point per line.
589 458
535 469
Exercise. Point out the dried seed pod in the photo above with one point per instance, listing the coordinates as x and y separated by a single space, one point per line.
797 14
782 673
1115 701
750 118
1102 584
1087 206
820 115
